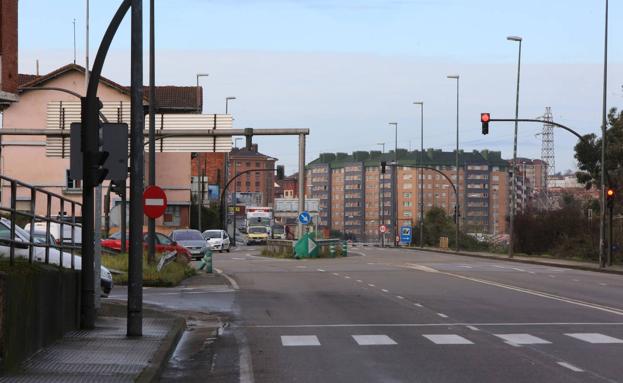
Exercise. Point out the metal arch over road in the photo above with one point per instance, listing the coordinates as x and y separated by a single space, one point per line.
541 122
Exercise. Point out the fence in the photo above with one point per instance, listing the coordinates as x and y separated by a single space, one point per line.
18 239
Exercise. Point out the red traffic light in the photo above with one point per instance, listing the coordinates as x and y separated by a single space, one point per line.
610 193
485 117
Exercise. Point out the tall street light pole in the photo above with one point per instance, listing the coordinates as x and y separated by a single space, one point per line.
151 223
199 172
458 183
395 182
421 163
511 242
227 99
198 92
602 194
235 199
381 197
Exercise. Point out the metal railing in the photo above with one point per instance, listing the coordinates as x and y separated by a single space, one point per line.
63 219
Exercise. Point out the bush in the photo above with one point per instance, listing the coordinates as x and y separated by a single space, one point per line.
171 275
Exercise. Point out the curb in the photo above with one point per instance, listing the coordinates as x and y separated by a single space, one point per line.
159 360
528 261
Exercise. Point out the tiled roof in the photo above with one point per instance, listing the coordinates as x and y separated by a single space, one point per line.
172 99
244 153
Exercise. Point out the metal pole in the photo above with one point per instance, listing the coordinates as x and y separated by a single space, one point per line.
395 183
301 180
381 197
514 163
458 174
602 194
151 223
610 229
137 170
421 180
74 22
124 220
200 190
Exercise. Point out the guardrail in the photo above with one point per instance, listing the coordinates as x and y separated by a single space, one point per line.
24 239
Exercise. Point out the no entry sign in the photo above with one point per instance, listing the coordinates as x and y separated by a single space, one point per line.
154 202
383 229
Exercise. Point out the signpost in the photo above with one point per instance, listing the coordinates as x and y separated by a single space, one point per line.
154 201
383 229
405 235
305 218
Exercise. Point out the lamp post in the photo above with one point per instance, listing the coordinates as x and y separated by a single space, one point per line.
395 182
381 196
602 194
458 183
421 180
227 99
511 241
235 199
198 94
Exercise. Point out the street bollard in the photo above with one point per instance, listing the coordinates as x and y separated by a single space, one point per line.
345 249
206 262
332 250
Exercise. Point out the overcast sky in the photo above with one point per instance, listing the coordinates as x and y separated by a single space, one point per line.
345 68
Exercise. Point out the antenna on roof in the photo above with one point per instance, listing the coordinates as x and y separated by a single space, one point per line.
37 67
74 22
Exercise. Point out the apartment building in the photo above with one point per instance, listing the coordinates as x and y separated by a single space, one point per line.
256 182
356 197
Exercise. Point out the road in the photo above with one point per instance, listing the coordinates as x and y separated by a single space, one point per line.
389 315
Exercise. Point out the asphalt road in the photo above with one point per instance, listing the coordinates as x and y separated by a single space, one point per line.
387 315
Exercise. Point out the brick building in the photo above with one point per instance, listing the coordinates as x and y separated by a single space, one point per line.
8 53
355 198
260 183
287 187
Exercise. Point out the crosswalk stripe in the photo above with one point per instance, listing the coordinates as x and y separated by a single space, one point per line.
373 340
447 339
595 338
519 339
299 340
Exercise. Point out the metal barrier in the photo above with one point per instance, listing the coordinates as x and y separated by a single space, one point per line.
18 241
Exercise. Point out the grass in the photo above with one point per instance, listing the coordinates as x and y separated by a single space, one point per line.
171 275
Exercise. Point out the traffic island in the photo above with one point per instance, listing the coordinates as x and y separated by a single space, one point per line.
172 274
306 247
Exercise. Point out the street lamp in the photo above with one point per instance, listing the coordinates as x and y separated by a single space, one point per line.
421 163
198 94
235 199
395 179
381 197
514 163
227 103
458 195
602 212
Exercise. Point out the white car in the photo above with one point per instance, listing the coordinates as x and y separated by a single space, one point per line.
218 240
21 251
55 231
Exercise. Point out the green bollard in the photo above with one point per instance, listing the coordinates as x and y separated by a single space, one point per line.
332 250
345 249
206 262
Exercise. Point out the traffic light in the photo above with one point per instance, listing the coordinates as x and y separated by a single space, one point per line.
383 166
610 194
280 172
118 187
485 118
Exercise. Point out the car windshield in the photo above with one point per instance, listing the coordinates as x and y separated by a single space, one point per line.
212 234
187 235
117 235
278 230
257 230
38 238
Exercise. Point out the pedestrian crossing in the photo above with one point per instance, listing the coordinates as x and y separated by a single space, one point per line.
514 339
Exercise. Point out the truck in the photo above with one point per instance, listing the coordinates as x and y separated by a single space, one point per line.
259 216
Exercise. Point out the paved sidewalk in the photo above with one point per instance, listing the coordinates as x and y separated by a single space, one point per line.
105 354
571 264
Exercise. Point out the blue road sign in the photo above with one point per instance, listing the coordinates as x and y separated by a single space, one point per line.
304 218
405 235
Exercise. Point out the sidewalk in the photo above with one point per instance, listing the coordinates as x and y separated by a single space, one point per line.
570 264
105 354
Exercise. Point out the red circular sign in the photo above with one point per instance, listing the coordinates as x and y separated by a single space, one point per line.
154 202
383 229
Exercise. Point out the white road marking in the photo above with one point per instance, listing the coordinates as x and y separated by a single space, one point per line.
499 267
371 263
384 290
336 274
238 258
552 276
500 324
603 284
359 281
373 340
371 285
519 339
447 339
595 338
442 315
473 328
465 266
301 267
575 280
231 280
321 270
418 305
399 297
570 367
299 340
347 277
517 269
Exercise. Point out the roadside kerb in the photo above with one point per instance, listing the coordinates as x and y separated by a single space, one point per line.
520 259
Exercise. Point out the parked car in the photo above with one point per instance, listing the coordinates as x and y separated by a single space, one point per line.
55 231
193 241
54 255
278 232
164 244
257 235
217 240
39 236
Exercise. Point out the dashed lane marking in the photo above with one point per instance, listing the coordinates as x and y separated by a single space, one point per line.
371 285
374 340
400 297
385 290
521 339
359 281
299 340
442 315
321 270
473 328
595 338
447 339
570 367
418 305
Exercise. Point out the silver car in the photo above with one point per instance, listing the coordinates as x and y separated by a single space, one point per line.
192 240
218 240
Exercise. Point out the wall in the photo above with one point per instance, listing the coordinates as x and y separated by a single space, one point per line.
8 46
38 305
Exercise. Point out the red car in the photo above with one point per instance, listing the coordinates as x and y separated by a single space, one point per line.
164 244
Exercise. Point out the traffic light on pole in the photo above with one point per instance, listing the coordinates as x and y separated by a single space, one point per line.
280 172
383 166
610 194
485 118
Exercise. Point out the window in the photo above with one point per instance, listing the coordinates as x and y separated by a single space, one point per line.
257 165
407 213
406 195
72 184
248 164
171 216
288 193
407 204
247 184
257 184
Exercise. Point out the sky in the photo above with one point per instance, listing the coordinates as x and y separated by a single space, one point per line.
346 68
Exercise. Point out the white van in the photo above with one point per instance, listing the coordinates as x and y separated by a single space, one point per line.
55 230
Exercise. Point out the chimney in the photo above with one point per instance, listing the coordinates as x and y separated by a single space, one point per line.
8 46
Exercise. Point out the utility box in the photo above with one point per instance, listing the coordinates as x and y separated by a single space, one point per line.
443 242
